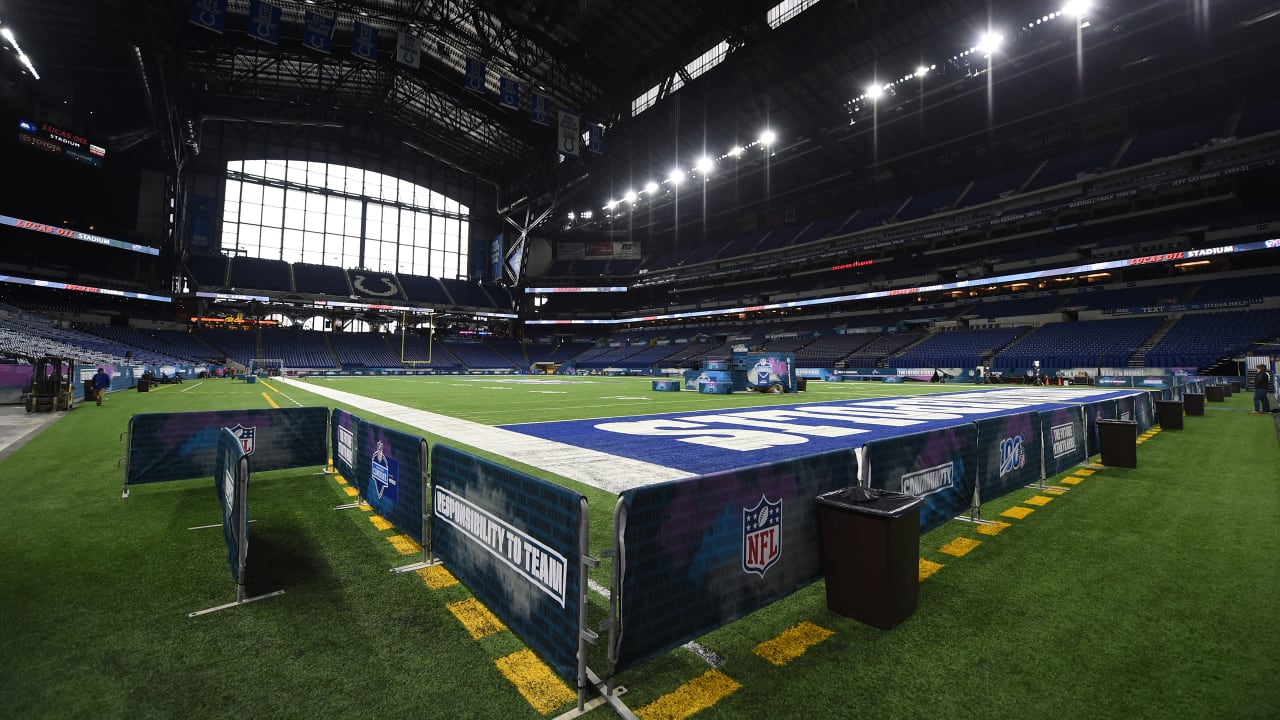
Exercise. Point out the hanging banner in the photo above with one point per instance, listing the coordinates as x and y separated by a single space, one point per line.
595 138
475 79
209 14
317 32
264 21
540 109
364 41
509 93
408 50
568 140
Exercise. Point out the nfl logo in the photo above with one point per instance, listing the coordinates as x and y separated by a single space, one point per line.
761 536
245 434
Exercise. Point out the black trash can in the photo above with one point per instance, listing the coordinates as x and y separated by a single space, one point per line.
1194 403
1119 440
871 554
1214 393
144 385
1235 385
1170 413
1227 389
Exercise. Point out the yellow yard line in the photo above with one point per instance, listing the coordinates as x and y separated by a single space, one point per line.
793 643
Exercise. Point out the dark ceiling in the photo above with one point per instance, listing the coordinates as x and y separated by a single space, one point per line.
134 71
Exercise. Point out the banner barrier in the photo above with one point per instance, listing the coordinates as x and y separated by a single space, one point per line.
937 465
698 553
1062 434
1009 454
1093 412
389 473
176 446
344 427
14 381
516 541
231 480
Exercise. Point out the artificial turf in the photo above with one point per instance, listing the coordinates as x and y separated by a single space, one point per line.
1146 592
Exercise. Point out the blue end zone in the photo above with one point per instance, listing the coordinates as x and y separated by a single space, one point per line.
714 441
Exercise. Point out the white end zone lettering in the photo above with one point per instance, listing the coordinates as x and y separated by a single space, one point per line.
699 434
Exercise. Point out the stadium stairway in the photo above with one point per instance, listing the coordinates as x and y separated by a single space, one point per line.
1139 357
987 357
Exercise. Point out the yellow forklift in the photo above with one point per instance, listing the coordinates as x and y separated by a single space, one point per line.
51 387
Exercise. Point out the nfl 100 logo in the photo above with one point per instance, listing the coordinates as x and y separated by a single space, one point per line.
1012 455
761 536
246 436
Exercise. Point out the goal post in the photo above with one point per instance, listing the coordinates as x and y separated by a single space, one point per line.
266 366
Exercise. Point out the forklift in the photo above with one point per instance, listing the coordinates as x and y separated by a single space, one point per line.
51 389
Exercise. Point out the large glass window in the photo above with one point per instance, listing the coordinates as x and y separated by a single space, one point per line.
342 216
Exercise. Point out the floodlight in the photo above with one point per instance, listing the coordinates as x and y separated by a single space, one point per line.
651 187
922 71
989 43
675 177
767 137
704 165
735 151
1076 8
874 91
629 196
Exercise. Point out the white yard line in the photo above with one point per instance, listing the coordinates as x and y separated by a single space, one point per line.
589 467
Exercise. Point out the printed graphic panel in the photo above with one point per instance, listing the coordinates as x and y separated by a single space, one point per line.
345 427
1008 454
1062 433
174 446
231 480
1093 412
513 539
388 474
939 466
701 552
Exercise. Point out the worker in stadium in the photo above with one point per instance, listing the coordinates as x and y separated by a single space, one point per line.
1261 386
101 383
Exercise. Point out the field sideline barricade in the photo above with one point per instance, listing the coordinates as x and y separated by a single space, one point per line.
177 446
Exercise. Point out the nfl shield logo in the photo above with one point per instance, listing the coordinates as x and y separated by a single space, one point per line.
245 434
761 536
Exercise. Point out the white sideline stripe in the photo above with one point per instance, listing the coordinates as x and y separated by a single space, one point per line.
605 471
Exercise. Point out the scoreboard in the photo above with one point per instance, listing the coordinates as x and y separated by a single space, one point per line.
58 141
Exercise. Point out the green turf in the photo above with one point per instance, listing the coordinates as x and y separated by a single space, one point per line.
1140 593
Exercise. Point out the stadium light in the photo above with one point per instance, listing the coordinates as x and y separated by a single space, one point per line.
922 71
629 196
989 43
703 165
7 34
735 151
1077 8
767 137
651 187
675 177
874 92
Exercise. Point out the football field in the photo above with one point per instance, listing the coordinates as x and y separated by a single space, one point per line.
1120 593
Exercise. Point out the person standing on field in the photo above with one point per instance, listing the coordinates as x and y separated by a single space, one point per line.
1261 386
101 383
